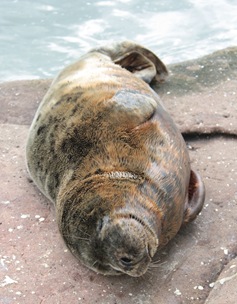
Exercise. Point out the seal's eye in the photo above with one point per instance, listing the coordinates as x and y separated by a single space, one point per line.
126 261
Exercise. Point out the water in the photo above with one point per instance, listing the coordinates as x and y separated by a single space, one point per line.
38 38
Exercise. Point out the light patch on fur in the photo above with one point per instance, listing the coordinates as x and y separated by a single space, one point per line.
121 175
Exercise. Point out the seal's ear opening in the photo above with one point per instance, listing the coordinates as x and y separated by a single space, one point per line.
144 65
196 197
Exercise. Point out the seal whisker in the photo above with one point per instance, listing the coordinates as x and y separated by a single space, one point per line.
153 266
156 262
76 237
149 273
96 262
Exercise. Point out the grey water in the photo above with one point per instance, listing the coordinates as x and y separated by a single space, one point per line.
38 38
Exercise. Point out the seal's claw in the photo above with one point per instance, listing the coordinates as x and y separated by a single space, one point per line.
196 197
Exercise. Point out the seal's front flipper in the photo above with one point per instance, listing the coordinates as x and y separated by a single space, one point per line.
196 197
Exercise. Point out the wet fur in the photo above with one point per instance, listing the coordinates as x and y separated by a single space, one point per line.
105 151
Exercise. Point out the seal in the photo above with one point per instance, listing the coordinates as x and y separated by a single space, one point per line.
105 151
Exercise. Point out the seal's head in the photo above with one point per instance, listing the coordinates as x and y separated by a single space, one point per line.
111 241
126 244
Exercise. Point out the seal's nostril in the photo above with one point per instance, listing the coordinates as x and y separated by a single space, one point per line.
126 261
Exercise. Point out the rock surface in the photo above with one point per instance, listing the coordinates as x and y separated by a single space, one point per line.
198 266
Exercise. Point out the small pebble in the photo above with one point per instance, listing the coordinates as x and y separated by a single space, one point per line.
23 216
177 292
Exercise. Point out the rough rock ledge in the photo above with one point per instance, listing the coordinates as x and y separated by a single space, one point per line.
198 266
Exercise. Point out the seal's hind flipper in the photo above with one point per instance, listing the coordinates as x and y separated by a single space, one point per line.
136 59
196 197
138 64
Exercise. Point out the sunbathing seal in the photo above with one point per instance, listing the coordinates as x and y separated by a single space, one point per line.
103 148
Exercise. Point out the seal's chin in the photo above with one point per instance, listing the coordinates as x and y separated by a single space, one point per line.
126 244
